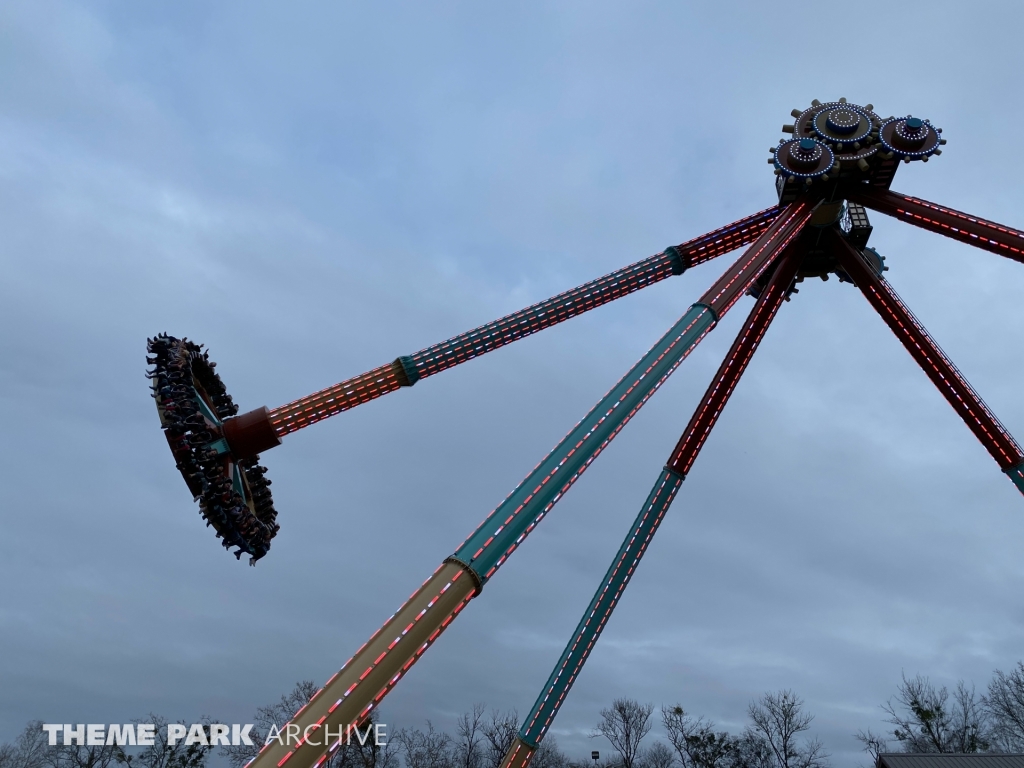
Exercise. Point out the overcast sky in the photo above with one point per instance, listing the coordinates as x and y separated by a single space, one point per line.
313 188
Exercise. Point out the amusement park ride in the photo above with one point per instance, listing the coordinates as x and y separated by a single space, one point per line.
840 160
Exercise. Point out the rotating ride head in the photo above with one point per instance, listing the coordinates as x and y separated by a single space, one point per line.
193 405
842 142
910 138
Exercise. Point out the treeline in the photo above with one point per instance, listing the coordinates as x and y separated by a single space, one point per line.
773 738
920 717
930 719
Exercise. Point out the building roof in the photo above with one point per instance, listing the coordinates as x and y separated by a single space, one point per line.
988 760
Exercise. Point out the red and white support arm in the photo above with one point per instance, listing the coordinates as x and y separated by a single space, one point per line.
1006 241
262 429
933 361
647 521
387 656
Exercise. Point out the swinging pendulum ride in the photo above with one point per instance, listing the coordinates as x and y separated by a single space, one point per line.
840 161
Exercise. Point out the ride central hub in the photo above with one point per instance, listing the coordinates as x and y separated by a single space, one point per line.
838 143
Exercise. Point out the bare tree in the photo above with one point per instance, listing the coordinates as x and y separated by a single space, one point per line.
928 720
32 750
273 716
696 742
754 751
1005 707
468 748
432 749
81 756
161 754
499 733
361 751
366 752
548 755
656 756
29 750
778 719
874 744
625 725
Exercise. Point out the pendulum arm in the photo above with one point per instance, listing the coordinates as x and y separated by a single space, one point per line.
649 518
1005 241
366 678
217 451
260 430
951 383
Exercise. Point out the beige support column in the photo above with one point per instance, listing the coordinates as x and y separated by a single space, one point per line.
348 697
518 755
